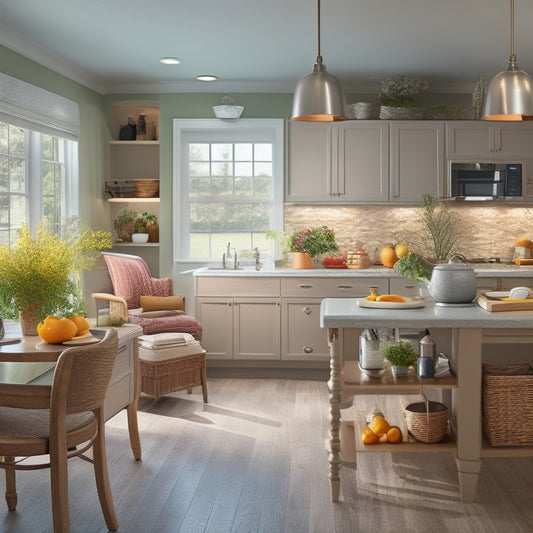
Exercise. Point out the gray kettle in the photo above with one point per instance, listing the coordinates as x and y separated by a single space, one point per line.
453 283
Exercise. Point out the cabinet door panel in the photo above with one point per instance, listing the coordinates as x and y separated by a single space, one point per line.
417 161
216 317
468 140
516 140
310 162
256 328
363 162
303 338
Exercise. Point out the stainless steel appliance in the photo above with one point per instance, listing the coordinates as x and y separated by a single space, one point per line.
485 181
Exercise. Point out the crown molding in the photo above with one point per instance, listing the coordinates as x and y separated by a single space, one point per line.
20 44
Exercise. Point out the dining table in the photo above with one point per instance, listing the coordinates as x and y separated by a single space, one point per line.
27 366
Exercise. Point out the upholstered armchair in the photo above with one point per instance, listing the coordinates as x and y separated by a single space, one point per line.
170 354
132 282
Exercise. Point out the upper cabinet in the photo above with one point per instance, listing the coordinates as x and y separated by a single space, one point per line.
367 161
480 140
338 162
416 160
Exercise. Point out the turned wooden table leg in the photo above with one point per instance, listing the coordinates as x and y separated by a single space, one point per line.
334 414
133 426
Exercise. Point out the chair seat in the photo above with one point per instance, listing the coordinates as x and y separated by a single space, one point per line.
31 427
183 323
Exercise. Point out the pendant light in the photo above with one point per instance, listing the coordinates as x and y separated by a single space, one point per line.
510 93
319 96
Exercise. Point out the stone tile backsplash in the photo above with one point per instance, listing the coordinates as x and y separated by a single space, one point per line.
482 231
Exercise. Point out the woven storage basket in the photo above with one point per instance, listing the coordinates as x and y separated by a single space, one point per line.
508 404
427 422
401 113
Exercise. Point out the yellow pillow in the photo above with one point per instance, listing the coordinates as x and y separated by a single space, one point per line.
161 303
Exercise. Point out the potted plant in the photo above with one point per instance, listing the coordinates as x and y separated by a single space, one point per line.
124 224
152 226
140 234
314 242
400 98
401 355
40 275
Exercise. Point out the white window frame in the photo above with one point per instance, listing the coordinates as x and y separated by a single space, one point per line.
208 130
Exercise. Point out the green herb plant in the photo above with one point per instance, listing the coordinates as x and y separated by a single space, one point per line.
402 91
440 231
414 267
314 241
398 353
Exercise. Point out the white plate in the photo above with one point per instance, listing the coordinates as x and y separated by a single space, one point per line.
496 294
408 304
81 340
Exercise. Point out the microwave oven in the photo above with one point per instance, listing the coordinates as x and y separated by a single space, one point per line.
485 181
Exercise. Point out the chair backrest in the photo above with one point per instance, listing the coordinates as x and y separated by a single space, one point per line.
82 375
131 279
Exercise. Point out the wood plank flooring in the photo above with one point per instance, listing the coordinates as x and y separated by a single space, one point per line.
254 460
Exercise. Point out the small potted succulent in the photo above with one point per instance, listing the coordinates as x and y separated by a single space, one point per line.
151 225
401 355
400 98
140 234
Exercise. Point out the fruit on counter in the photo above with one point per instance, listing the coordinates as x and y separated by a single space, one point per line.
390 298
81 323
388 256
54 329
401 250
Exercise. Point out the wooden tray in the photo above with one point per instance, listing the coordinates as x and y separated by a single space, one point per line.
495 305
519 261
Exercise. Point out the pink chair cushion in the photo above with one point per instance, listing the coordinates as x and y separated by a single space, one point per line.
182 323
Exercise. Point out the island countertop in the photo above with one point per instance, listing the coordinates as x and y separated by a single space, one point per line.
346 313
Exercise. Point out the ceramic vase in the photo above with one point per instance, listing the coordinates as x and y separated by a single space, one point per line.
301 260
29 318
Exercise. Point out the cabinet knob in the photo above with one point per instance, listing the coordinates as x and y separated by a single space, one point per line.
307 310
308 349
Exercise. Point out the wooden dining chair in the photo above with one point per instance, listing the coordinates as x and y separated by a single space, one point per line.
71 425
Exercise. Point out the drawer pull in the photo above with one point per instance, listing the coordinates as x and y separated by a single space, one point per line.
303 286
308 349
307 310
344 287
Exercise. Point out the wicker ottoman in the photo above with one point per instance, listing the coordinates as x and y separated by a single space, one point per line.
173 368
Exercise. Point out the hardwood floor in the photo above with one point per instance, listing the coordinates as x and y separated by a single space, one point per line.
254 460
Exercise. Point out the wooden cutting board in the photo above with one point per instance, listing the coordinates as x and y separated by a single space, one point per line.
495 305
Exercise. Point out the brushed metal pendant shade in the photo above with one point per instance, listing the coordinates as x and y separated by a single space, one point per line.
510 93
319 95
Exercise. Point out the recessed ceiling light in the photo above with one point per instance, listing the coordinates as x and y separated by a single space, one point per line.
170 60
206 77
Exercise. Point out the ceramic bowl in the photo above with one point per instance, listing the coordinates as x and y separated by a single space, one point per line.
139 238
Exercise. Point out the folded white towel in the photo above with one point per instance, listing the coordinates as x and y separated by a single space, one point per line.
161 340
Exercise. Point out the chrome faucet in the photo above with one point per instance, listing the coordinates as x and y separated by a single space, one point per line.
258 264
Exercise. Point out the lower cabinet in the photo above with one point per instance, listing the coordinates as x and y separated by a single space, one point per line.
273 319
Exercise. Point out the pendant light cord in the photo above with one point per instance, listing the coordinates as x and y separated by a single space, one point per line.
318 19
512 27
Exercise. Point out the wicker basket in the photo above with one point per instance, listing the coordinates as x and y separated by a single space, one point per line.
508 404
427 421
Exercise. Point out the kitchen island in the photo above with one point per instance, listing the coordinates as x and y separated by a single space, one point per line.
466 326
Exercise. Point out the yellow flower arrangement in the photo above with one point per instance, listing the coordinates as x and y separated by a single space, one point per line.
43 272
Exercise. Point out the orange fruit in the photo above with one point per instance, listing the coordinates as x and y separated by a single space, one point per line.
82 324
379 425
394 434
54 329
369 437
383 438
388 256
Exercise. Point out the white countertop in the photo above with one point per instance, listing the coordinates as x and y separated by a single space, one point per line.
346 313
484 270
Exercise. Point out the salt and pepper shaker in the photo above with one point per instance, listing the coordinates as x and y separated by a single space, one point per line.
428 355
